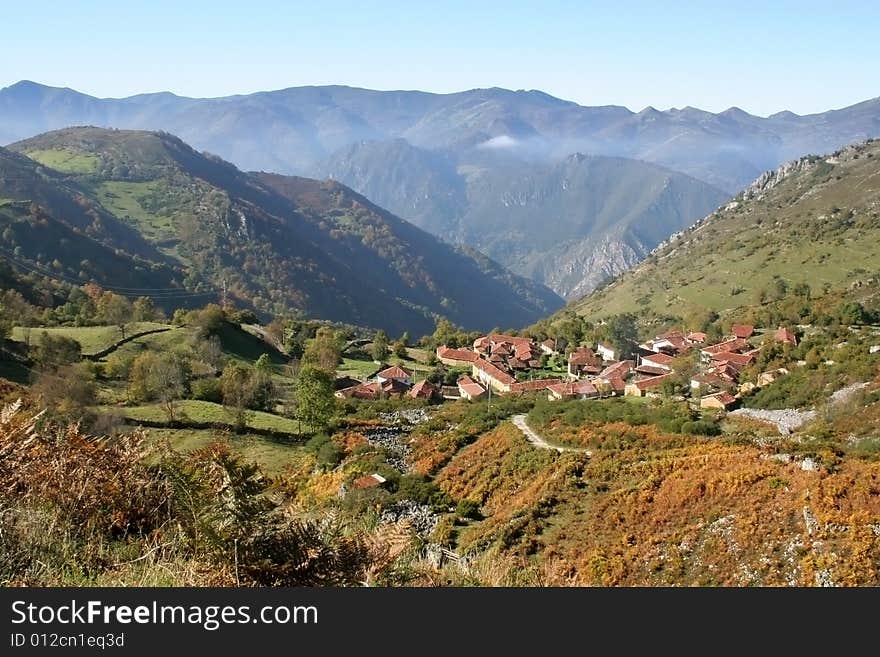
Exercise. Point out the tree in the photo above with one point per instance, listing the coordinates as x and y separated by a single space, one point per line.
623 334
209 320
209 351
265 392
399 349
68 390
16 311
162 377
114 309
54 351
445 333
315 403
144 310
324 351
275 332
236 382
380 346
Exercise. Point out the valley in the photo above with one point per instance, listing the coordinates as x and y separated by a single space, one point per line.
215 377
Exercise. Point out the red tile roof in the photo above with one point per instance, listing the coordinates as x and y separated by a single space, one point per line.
659 359
724 397
652 382
742 330
465 355
394 387
499 375
480 343
362 391
710 379
730 357
394 372
782 334
696 336
467 385
651 371
512 339
424 389
584 356
617 384
370 481
617 370
572 388
732 345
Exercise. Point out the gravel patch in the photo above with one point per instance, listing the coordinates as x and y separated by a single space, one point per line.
786 420
844 394
394 441
419 516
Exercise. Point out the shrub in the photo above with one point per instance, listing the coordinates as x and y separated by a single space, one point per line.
701 428
468 509
207 389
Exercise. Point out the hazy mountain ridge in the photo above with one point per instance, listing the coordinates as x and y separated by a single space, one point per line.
293 130
570 224
326 252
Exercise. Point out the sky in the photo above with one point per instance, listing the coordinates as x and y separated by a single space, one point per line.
760 56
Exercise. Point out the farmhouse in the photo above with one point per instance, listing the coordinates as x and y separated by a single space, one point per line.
491 376
572 390
720 400
470 389
456 357
660 360
583 362
606 351
394 373
619 370
785 336
361 391
534 385
370 481
766 378
646 387
733 345
424 389
673 342
742 331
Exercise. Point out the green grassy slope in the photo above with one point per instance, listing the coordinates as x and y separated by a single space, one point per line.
817 224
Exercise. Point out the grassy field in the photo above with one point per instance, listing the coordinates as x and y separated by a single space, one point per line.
272 455
359 369
203 411
92 338
131 201
65 161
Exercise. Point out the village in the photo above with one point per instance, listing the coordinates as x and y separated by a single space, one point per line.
711 374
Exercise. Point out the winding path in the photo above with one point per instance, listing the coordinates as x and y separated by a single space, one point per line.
519 421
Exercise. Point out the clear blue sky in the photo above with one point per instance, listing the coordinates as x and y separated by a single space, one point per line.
761 56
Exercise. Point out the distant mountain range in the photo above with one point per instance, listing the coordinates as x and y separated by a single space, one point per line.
569 224
294 130
810 227
141 211
489 168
